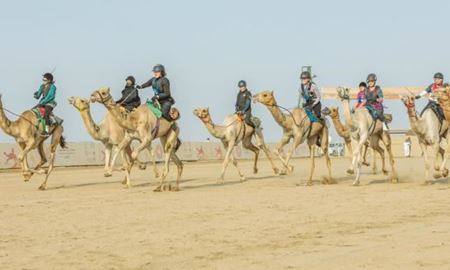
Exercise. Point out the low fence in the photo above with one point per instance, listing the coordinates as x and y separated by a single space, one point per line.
92 153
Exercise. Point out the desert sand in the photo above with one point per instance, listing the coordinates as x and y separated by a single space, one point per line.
86 221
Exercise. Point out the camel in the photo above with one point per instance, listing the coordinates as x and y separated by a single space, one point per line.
27 132
344 132
142 124
234 131
108 132
297 126
364 128
430 132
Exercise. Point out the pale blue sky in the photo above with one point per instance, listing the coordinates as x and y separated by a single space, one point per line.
207 46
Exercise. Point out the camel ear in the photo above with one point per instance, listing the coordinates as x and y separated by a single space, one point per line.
271 92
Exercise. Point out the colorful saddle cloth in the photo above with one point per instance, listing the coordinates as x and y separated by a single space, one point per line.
155 109
54 120
311 116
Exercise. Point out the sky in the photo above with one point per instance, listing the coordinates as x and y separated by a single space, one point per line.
208 46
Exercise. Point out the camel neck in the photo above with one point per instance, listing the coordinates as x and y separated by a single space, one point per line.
92 128
114 110
340 128
278 115
5 123
215 130
347 113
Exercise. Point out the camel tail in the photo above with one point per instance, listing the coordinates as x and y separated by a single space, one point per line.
62 142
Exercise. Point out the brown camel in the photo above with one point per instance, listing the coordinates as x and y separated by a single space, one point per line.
142 124
430 132
343 131
364 128
234 131
297 126
108 132
27 132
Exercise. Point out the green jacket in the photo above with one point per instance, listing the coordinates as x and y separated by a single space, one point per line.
48 97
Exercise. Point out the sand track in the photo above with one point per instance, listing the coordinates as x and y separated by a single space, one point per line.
85 221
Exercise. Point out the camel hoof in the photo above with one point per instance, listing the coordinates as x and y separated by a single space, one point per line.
366 164
444 172
283 172
350 171
385 172
243 178
142 167
427 183
255 170
394 180
308 184
107 174
175 189
290 168
355 184
122 169
42 187
276 171
124 181
437 175
158 189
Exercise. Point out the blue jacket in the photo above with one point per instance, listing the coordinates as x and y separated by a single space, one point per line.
48 96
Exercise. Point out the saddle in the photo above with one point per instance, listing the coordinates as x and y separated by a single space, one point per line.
375 116
437 111
155 108
40 112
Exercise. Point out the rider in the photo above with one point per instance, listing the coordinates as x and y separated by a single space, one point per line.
361 96
46 94
309 94
161 89
374 97
244 103
130 99
432 100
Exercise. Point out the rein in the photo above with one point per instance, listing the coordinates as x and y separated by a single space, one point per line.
19 116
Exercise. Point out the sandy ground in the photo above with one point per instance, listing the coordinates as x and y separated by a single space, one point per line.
85 221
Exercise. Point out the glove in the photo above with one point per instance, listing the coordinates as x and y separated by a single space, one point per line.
155 98
36 95
418 96
138 86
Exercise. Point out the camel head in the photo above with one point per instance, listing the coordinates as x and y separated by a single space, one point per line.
343 92
81 104
265 98
333 112
101 95
409 101
202 113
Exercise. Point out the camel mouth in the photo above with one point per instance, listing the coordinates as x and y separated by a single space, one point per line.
71 100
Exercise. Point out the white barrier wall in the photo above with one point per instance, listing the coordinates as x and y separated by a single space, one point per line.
92 153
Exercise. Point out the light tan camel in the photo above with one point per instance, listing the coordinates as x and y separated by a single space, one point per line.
142 124
297 126
362 129
430 132
108 132
27 132
234 131
344 132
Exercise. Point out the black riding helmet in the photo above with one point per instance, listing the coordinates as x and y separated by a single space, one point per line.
305 75
371 77
362 84
242 83
160 68
48 76
438 75
132 79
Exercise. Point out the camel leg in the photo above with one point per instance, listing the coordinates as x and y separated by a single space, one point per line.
324 146
179 165
26 174
387 142
155 168
118 149
43 186
169 143
247 143
423 148
262 145
280 152
348 145
375 144
444 153
436 153
312 164
22 157
56 139
297 141
234 162
108 153
356 162
364 162
227 160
